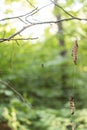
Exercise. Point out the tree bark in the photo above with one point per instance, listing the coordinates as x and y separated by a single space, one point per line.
63 53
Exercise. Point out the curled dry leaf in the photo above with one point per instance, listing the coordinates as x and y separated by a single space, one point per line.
75 52
72 105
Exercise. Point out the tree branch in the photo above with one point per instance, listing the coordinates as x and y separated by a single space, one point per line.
30 24
38 23
73 17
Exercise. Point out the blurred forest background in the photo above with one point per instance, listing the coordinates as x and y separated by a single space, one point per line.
42 69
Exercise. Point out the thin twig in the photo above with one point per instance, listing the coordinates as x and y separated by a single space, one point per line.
25 39
62 8
16 92
26 15
30 3
73 17
20 16
38 9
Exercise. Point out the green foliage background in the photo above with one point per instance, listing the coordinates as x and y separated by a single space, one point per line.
35 70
